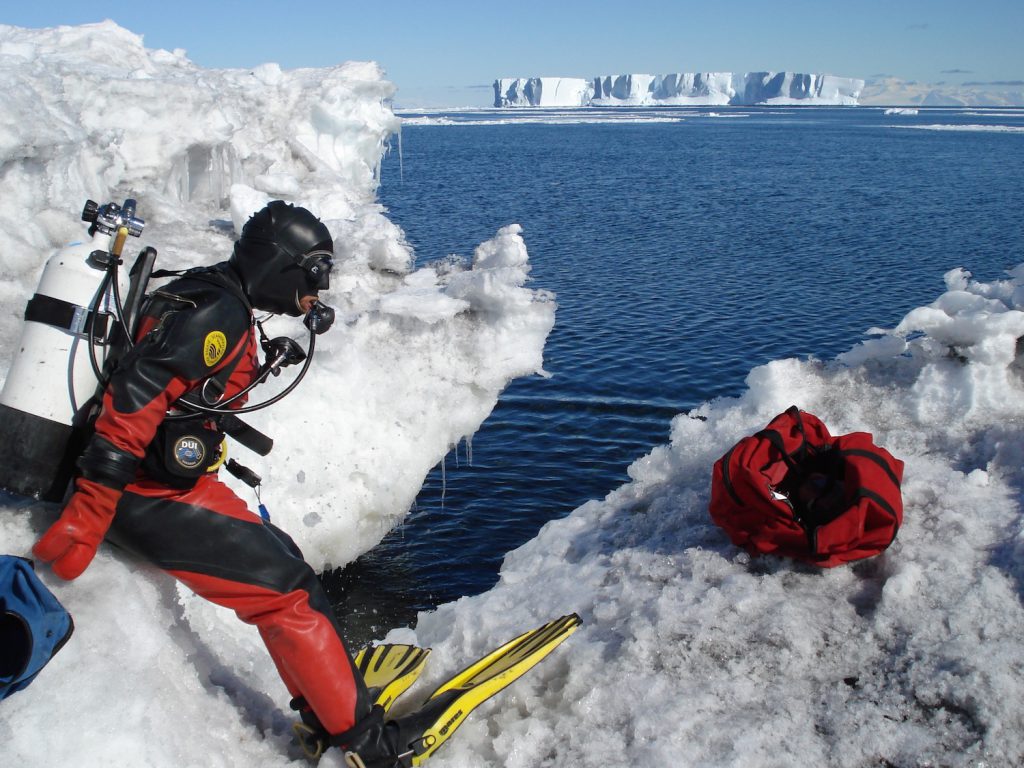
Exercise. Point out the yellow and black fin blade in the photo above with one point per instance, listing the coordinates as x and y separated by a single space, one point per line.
389 670
448 706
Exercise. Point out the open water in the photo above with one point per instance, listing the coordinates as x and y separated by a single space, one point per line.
685 246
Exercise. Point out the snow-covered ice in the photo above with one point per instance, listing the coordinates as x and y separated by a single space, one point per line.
413 365
691 653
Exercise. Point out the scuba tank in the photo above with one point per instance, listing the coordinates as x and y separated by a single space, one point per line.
75 326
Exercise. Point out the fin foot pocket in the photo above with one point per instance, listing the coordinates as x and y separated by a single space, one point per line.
390 670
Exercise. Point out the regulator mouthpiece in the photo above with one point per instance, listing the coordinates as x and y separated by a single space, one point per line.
319 319
110 217
282 352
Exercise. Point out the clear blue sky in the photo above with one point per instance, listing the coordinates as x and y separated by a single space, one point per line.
448 52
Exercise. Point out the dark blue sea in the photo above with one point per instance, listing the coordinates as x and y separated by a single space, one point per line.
683 254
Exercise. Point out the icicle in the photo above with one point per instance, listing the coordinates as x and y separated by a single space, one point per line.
444 481
401 166
469 450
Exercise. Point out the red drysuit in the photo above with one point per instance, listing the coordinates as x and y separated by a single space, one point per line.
197 329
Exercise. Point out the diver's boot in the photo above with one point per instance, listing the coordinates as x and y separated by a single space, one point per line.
373 743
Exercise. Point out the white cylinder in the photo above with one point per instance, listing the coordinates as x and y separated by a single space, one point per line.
51 375
51 379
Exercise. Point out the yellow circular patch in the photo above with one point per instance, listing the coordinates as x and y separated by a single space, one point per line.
214 347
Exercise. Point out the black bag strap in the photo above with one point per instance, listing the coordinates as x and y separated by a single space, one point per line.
871 455
797 455
773 437
868 493
727 479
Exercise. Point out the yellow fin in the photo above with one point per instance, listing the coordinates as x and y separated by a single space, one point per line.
389 670
449 705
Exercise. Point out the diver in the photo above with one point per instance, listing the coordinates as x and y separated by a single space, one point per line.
148 475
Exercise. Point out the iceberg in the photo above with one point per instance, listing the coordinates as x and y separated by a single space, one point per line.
543 92
679 89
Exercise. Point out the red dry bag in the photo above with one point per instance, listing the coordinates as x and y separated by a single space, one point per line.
794 490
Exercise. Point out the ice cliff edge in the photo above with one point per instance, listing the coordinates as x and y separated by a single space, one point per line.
679 89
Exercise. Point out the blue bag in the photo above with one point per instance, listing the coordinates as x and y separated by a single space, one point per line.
33 624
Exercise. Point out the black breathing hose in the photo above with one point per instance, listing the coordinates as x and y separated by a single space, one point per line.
109 279
220 408
94 308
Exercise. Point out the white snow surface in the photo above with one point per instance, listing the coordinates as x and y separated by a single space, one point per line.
691 653
679 89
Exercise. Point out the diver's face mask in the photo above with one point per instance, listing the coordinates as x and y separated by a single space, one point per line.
283 255
283 282
317 265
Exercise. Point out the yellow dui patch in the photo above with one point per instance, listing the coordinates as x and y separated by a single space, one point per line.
214 347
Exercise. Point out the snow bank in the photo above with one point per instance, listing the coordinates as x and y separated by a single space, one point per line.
679 89
691 652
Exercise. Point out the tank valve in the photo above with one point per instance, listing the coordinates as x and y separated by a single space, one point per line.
110 217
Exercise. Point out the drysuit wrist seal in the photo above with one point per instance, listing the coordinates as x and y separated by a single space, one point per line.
373 743
106 464
351 738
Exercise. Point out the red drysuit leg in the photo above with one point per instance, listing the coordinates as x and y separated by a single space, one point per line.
208 539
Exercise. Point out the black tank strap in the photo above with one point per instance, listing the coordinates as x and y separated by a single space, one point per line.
66 316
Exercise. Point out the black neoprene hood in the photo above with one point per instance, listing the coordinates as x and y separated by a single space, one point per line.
269 253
